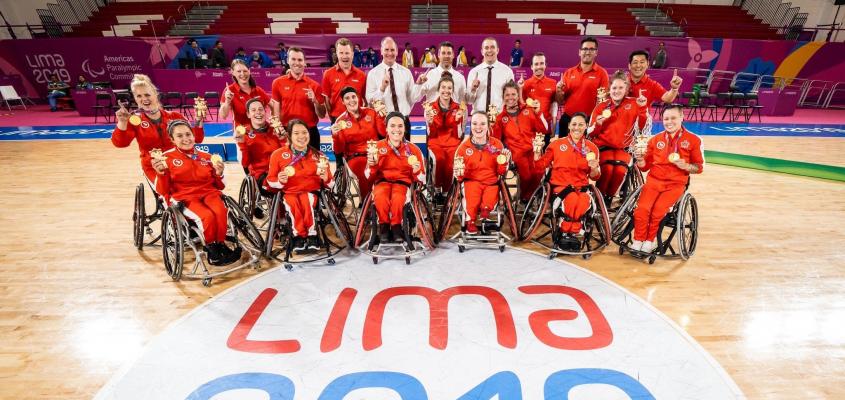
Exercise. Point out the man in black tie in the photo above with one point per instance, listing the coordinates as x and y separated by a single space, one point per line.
391 83
487 79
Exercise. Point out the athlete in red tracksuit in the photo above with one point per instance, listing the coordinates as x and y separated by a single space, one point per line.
445 120
516 127
294 169
148 125
482 169
615 134
574 161
186 175
395 166
350 143
667 180
258 141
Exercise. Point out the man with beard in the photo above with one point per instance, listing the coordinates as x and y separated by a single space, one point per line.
427 89
579 85
296 96
540 88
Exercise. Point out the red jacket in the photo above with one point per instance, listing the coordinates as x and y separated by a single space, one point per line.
445 128
257 148
568 162
480 164
150 136
189 175
517 131
685 143
305 178
368 126
617 131
392 164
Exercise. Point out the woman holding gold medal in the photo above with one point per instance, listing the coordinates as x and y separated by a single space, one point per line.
299 170
148 124
195 178
351 132
670 157
574 162
257 142
394 164
445 121
613 125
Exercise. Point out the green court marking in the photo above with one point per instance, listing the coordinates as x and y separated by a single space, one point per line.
776 165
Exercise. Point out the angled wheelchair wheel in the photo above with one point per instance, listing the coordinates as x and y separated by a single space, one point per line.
535 210
366 222
336 218
512 183
448 211
425 220
507 202
601 221
687 226
625 217
633 181
241 221
341 183
139 217
277 227
346 192
248 195
172 243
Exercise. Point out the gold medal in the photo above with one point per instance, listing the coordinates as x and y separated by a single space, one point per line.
463 106
240 130
606 114
215 158
674 157
289 170
345 124
532 103
135 120
412 160
501 159
591 156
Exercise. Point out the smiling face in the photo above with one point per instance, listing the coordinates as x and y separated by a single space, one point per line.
618 89
577 127
638 66
478 127
511 97
445 91
350 100
146 98
344 56
588 52
241 74
296 61
182 137
299 137
447 55
672 120
490 49
256 114
538 66
388 51
395 130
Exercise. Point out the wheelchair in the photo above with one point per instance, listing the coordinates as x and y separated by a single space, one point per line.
633 180
251 197
417 228
681 222
490 236
346 191
178 232
142 222
540 222
332 229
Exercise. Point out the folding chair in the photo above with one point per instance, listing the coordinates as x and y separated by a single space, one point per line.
8 93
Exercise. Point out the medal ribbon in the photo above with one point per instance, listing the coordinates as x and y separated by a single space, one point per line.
582 151
404 147
674 143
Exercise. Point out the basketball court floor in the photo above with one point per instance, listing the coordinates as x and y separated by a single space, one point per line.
756 313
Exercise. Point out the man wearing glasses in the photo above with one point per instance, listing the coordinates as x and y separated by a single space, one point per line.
578 86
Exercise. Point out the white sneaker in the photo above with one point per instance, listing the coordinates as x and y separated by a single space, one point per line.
636 245
648 247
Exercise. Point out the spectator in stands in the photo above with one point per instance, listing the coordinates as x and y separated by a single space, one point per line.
371 59
579 85
461 59
517 54
392 83
218 56
429 59
56 88
83 84
195 55
540 88
331 57
241 55
473 62
641 83
488 79
338 77
428 91
283 55
296 96
660 57
260 59
357 56
408 56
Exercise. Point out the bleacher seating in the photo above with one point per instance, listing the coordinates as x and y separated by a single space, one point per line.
719 21
132 19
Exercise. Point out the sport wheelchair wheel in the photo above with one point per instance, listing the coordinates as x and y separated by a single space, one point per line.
248 195
346 191
173 242
448 211
366 221
687 225
139 217
535 211
241 222
424 219
336 218
278 227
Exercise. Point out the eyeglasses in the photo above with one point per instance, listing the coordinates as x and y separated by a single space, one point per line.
589 49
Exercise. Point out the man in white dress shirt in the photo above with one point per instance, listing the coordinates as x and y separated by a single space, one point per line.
391 83
487 79
428 82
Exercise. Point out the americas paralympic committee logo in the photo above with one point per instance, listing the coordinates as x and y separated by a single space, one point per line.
86 67
466 329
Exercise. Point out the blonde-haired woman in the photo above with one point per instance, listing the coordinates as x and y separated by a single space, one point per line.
148 124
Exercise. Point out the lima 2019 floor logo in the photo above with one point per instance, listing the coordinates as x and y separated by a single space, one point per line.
448 327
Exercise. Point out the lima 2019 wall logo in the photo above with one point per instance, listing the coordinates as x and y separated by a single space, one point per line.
448 327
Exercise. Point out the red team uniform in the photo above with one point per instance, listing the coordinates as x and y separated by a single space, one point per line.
150 136
334 80
393 177
569 177
293 101
444 136
481 177
517 132
191 179
581 88
256 149
298 190
666 182
542 90
613 137
352 143
238 104
652 90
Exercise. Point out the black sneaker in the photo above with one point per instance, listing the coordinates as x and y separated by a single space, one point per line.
258 213
384 233
227 255
489 226
398 235
298 243
313 243
212 253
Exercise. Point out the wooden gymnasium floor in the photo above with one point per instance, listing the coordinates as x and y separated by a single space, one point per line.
763 294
